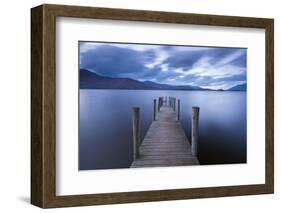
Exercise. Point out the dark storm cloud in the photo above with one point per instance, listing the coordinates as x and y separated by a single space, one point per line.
115 61
183 59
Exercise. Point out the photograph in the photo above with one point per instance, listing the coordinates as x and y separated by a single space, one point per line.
140 105
160 105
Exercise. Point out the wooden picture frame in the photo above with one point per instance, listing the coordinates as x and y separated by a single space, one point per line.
43 105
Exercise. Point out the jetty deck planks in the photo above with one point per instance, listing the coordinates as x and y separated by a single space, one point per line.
165 143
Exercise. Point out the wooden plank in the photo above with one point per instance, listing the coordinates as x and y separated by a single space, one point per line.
165 157
170 155
164 148
165 143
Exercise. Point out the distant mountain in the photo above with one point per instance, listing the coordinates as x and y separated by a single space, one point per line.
91 80
240 87
152 84
170 87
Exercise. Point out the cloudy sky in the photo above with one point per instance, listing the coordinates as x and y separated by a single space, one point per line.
208 67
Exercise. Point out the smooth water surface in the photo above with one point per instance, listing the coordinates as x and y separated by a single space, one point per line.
105 131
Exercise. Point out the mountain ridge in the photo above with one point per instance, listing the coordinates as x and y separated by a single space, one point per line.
92 80
239 87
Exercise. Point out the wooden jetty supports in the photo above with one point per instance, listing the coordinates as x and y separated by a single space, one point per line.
172 103
194 130
160 103
136 132
169 101
154 109
178 109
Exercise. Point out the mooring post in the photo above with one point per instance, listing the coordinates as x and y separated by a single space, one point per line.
169 101
154 109
174 104
159 104
178 109
194 130
136 132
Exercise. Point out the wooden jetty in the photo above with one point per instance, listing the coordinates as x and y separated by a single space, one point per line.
165 143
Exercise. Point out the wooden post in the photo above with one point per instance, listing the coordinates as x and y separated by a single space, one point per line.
178 109
194 130
174 104
154 109
159 104
136 132
169 101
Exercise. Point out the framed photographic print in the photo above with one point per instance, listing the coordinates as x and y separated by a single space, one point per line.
136 106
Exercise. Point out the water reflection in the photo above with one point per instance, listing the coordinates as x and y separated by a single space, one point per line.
105 135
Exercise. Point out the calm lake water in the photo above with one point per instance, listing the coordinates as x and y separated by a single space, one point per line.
105 131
